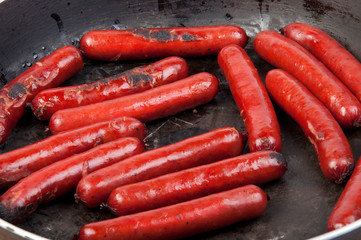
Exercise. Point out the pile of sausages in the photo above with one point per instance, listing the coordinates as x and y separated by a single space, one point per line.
198 184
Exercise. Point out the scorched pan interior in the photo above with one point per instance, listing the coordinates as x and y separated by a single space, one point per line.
300 202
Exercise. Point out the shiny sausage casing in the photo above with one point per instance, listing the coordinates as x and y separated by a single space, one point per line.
288 55
331 145
19 163
49 72
146 106
113 45
251 98
331 53
348 207
184 219
209 147
52 181
252 168
138 79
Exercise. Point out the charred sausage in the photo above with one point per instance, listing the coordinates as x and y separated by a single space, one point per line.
138 79
113 45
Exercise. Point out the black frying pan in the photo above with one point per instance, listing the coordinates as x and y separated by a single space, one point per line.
301 200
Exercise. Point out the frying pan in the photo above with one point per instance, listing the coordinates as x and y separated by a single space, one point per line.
300 202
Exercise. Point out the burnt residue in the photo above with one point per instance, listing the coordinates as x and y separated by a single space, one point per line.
138 78
58 20
317 8
279 157
15 215
164 5
163 35
17 90
188 37
3 80
228 17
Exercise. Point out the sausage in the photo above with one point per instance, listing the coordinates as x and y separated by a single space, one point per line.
209 147
331 145
252 168
19 163
152 104
288 55
184 219
331 53
251 98
138 79
49 72
50 182
348 207
114 45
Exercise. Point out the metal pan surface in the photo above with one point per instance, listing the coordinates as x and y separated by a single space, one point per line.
300 202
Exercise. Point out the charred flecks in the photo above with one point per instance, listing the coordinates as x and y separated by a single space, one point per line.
18 90
139 77
279 157
15 215
164 35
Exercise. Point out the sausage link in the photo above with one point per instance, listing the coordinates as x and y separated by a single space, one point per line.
252 168
331 53
251 98
288 55
331 145
152 104
348 207
113 45
183 219
50 182
19 163
49 72
138 79
209 147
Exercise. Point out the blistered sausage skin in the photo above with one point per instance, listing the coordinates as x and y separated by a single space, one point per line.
19 163
184 219
146 106
113 45
331 145
288 55
212 146
251 98
50 182
48 72
138 79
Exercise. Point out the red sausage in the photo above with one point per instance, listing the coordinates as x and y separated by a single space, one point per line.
152 104
252 99
331 145
19 163
213 146
253 168
331 53
285 53
348 206
183 219
138 79
50 182
113 45
49 72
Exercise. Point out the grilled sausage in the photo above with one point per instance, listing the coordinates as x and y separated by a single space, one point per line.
183 219
288 55
113 45
49 72
331 53
155 103
209 147
252 168
331 145
348 207
251 98
138 79
50 182
19 163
